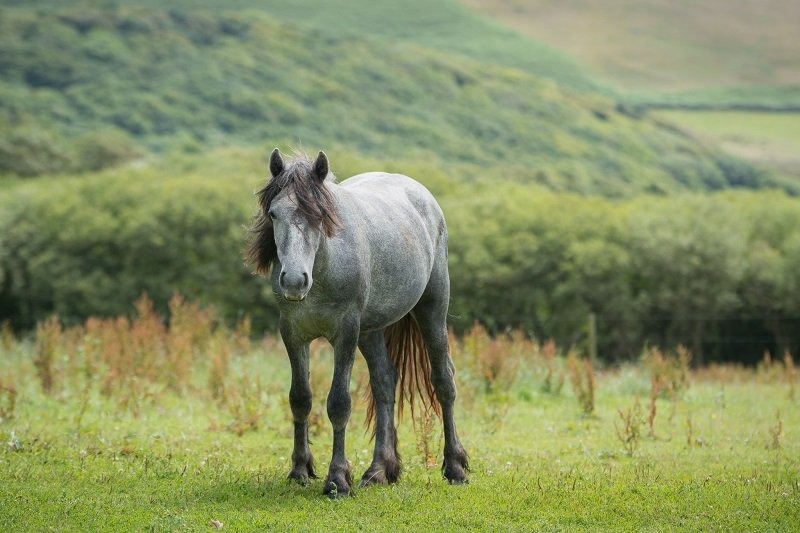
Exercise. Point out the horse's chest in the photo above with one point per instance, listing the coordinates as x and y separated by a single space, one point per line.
310 322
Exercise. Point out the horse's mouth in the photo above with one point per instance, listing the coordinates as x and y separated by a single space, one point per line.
294 298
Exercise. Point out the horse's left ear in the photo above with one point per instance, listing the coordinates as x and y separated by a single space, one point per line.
275 163
321 166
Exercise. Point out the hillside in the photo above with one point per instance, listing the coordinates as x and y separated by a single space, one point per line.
82 88
442 25
730 51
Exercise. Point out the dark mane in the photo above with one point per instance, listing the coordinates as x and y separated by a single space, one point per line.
314 204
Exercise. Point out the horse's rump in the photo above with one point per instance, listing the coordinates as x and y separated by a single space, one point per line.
408 354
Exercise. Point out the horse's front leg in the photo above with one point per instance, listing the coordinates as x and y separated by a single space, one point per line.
300 401
339 479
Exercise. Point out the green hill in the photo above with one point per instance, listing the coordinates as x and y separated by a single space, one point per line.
83 88
442 25
709 54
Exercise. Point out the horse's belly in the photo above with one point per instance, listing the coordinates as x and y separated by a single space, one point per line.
400 229
396 284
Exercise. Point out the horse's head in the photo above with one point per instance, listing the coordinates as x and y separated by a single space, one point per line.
296 212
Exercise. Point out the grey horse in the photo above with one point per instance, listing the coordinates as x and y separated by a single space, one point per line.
362 264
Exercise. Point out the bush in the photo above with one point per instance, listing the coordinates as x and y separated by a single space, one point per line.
33 151
96 151
90 246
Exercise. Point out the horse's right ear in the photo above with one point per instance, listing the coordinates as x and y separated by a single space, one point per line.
275 163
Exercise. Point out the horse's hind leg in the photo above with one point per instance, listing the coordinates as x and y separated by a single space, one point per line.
386 466
300 401
431 315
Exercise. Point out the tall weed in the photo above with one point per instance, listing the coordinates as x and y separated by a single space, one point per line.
48 343
630 427
8 401
669 371
581 375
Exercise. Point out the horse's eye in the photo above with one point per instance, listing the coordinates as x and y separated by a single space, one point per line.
271 214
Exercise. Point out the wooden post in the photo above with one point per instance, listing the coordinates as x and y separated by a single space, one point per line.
593 338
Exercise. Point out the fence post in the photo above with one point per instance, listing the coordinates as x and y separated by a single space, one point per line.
593 338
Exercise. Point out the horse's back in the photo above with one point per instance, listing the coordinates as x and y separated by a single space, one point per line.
396 192
406 236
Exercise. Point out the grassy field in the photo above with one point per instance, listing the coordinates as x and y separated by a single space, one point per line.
665 46
767 139
145 428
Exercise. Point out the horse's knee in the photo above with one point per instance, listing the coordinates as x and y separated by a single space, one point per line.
300 401
338 407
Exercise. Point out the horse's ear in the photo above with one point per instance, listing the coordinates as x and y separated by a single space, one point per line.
275 163
321 166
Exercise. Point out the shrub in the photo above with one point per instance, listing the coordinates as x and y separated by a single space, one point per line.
581 375
32 152
8 401
96 151
669 372
630 428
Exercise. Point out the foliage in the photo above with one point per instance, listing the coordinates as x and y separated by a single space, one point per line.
630 429
91 246
85 88
690 269
669 372
8 401
582 378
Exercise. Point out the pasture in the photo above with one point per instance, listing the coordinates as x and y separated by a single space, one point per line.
768 139
127 424
678 47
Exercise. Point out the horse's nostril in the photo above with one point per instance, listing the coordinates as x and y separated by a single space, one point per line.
305 279
283 277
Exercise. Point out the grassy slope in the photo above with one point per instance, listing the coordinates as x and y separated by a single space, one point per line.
768 139
87 464
716 54
443 25
244 77
665 47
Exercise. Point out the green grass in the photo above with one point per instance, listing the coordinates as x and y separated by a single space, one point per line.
82 462
778 128
671 51
768 139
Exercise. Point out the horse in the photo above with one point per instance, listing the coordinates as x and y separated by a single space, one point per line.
362 263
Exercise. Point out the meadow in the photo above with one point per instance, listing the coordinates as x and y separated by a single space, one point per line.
763 138
131 424
679 48
591 162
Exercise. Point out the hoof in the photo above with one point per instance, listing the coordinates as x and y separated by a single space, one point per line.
373 477
337 484
303 473
333 490
458 481
455 475
455 468
300 476
381 473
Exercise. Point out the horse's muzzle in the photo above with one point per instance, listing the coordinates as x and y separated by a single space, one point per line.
294 286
